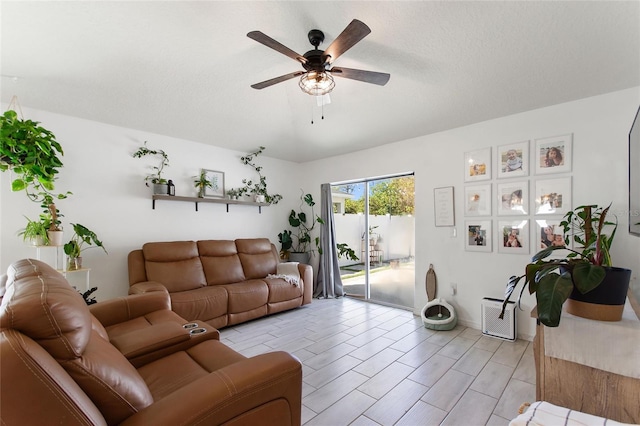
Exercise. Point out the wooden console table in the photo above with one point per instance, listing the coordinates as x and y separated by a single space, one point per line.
610 387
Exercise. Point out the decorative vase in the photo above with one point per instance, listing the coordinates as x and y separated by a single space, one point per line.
605 302
259 198
75 263
160 188
55 238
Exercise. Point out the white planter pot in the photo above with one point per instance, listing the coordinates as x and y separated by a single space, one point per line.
160 188
259 198
56 238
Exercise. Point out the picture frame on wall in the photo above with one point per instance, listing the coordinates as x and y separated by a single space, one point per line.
477 200
553 196
217 184
513 198
478 235
477 165
513 236
553 154
443 206
512 160
550 233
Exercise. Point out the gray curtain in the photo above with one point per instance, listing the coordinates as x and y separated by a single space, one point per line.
329 283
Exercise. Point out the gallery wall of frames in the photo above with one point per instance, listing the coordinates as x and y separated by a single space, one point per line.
516 194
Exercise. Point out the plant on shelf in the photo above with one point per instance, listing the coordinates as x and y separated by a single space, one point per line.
81 236
35 232
259 188
202 183
159 183
232 194
553 280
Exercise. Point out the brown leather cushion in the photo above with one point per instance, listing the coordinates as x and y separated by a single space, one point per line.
247 295
205 303
220 262
41 304
174 264
258 257
280 290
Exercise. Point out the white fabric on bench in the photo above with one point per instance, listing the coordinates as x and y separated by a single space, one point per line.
542 413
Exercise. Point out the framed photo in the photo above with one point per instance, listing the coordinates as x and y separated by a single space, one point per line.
634 178
443 206
478 235
549 233
553 196
553 155
477 200
217 184
513 198
477 165
513 236
513 160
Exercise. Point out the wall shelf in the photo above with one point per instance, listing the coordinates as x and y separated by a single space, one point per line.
197 200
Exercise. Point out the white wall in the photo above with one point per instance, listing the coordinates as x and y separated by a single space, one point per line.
110 197
600 127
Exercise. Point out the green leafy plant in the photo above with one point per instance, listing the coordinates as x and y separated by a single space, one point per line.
202 183
553 280
259 187
345 251
303 227
156 176
34 230
82 236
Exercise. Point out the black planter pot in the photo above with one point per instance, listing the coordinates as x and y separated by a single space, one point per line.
605 302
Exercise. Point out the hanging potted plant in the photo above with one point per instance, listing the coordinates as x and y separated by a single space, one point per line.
155 179
586 278
257 189
81 236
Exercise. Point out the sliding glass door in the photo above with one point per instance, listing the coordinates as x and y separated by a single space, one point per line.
376 216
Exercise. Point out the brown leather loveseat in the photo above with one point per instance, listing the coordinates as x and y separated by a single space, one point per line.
221 282
58 364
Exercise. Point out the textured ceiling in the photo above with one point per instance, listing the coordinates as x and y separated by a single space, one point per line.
184 69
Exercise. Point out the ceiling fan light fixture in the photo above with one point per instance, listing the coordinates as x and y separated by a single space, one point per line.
316 83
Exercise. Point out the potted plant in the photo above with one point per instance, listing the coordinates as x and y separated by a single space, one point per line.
202 183
259 188
35 233
583 274
159 184
232 194
81 236
300 236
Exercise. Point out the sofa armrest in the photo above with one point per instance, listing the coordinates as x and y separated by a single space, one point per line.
150 339
264 390
306 273
121 309
147 287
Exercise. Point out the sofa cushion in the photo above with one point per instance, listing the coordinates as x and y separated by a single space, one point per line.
281 290
220 261
247 295
175 264
258 257
205 303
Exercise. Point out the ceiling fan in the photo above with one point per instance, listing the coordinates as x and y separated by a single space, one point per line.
316 79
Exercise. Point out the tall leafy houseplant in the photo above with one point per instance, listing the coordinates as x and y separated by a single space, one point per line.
553 280
32 153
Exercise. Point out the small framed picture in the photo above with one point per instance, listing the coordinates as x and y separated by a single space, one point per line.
553 196
478 235
513 160
216 179
513 236
513 198
443 206
553 155
477 200
549 233
477 165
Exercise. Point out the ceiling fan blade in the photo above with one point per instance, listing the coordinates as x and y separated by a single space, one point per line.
260 37
276 80
355 31
379 78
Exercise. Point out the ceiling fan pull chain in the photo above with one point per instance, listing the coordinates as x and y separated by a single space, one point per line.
311 114
323 107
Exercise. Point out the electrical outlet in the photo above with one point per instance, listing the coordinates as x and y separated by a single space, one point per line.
454 289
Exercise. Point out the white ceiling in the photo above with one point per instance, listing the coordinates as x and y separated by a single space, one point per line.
184 69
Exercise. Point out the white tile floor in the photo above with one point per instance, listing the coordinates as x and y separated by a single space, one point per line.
366 364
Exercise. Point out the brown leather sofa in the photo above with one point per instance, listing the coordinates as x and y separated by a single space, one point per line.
59 365
221 282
